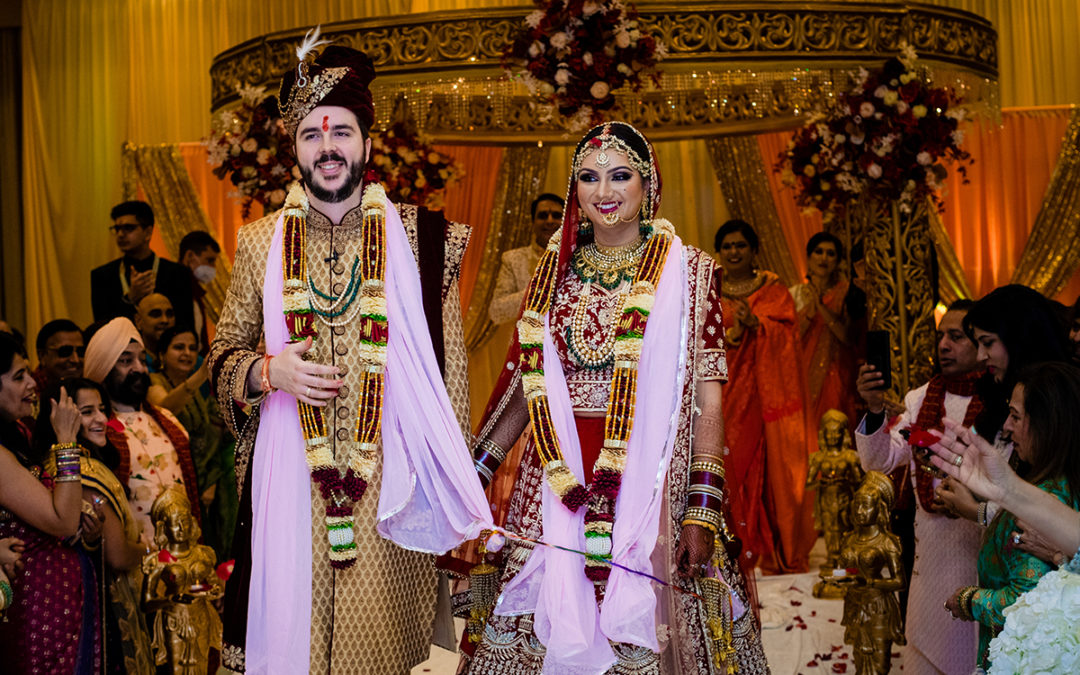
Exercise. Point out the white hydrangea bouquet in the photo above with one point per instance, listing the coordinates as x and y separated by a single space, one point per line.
1042 630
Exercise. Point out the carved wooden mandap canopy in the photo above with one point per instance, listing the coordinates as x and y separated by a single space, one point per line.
732 67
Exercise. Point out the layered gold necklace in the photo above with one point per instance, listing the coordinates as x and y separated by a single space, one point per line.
607 267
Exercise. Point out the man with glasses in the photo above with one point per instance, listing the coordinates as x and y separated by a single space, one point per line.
117 287
60 351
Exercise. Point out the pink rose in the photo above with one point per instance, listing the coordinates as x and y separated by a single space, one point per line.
874 171
866 109
599 90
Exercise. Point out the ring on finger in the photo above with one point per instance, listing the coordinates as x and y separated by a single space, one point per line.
307 392
1016 539
958 460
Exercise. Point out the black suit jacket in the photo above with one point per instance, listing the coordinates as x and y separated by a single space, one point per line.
107 295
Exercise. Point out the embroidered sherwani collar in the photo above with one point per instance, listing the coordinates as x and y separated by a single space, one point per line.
352 220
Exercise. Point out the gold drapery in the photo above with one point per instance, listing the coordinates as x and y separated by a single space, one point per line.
1052 252
952 284
161 173
139 71
520 177
744 181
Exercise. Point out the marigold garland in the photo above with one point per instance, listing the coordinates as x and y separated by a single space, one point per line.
619 421
341 492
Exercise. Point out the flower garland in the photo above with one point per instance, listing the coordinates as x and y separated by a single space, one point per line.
575 53
930 415
341 492
886 138
619 420
250 146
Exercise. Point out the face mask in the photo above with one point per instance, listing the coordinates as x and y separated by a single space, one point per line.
204 274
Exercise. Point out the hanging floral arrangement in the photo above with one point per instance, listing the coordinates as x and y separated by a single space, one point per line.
575 54
889 137
406 165
250 147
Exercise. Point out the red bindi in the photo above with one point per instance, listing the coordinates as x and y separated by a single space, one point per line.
326 123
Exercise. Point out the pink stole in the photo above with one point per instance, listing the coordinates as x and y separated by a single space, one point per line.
430 498
552 585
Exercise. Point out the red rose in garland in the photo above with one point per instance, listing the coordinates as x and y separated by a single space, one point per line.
576 53
890 136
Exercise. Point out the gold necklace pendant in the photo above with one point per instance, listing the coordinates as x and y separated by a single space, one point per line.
584 353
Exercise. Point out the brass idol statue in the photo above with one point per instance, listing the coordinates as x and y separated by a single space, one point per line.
872 622
179 586
834 472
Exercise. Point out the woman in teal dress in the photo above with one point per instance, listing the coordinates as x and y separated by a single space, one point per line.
181 386
1046 437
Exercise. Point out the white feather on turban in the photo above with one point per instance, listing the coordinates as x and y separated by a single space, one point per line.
106 347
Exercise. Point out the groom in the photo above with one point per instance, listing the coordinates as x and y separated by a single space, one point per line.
346 293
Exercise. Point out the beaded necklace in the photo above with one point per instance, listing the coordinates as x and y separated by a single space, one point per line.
341 492
618 423
610 267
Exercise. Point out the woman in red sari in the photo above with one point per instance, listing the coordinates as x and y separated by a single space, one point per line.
825 329
763 413
49 603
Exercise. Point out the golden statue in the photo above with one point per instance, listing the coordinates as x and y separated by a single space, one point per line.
872 622
834 472
179 587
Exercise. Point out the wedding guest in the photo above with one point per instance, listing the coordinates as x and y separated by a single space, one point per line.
827 353
49 598
1042 425
199 253
180 386
117 286
126 640
153 446
517 264
944 546
60 351
153 316
764 416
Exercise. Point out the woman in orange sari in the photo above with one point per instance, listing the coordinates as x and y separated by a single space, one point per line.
825 330
763 412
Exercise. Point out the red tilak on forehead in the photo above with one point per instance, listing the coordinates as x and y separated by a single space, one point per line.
326 123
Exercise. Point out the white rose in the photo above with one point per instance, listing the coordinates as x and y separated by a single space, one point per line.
587 58
866 109
534 18
599 90
924 158
263 156
250 145
901 106
622 39
536 49
560 40
881 91
590 8
874 171
562 75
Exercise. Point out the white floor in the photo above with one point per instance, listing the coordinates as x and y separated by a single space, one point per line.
801 634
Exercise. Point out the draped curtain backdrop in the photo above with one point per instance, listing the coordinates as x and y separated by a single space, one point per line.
988 220
96 75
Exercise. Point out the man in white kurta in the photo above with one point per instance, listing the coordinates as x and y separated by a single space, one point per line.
946 546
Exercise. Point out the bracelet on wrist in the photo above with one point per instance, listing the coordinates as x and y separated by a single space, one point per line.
7 596
488 456
264 377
